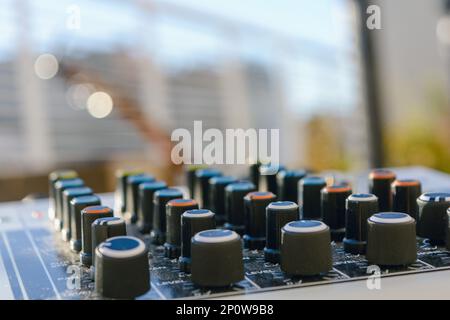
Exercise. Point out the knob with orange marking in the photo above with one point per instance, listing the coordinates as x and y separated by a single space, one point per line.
405 194
380 181
88 216
333 208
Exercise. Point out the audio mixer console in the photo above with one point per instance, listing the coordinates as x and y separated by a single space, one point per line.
36 263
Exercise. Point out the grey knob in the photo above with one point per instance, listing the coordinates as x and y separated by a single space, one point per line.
76 206
432 219
216 258
104 228
305 248
68 195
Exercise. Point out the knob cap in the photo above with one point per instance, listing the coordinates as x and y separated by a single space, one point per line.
432 218
52 178
145 211
104 228
121 188
287 181
268 177
278 214
68 195
255 218
391 239
254 173
234 204
216 258
174 209
217 187
333 208
202 185
122 268
60 187
405 193
88 216
309 197
305 248
133 202
359 208
380 181
191 178
192 222
160 199
76 206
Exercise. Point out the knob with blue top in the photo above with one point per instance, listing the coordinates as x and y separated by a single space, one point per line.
60 187
145 211
68 195
217 259
432 219
234 204
122 268
122 186
54 176
305 248
217 187
88 216
202 185
287 182
268 177
309 196
104 228
359 208
391 239
192 222
278 214
133 202
160 199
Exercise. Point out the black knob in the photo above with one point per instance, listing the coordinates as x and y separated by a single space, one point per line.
254 173
217 187
277 215
104 228
121 188
191 178
202 185
160 199
216 258
192 222
88 216
405 194
432 219
359 208
305 248
60 187
52 178
287 181
380 181
333 208
268 178
145 211
309 197
234 204
122 268
255 218
174 209
68 195
133 202
76 206
391 239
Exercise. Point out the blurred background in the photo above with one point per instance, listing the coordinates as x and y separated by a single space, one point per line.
100 85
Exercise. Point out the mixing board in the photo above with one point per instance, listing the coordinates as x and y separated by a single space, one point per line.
36 263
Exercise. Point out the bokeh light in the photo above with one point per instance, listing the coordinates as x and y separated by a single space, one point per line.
46 66
99 104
